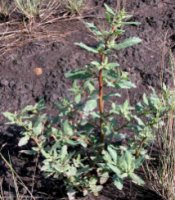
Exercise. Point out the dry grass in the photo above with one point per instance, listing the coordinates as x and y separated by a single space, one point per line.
29 8
39 14
4 8
17 182
73 6
161 171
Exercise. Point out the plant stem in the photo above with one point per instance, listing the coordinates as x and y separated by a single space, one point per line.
101 103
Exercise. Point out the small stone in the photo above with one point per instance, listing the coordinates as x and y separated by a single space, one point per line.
38 71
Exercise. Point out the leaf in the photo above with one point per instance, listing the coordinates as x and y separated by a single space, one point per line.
106 97
104 177
93 28
129 160
96 189
90 105
23 141
111 65
39 124
87 48
78 74
67 128
132 23
82 142
123 84
139 120
107 157
113 154
78 98
109 10
10 116
145 99
41 104
29 108
136 179
127 43
63 152
71 194
108 17
118 183
38 128
115 169
28 152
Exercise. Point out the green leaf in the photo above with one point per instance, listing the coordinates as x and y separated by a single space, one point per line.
97 189
41 104
139 120
87 48
67 128
111 65
106 97
78 98
145 99
115 169
39 124
108 17
118 183
29 108
113 154
124 84
136 179
127 43
93 28
104 177
38 128
96 64
129 160
78 74
107 157
63 153
132 23
90 105
90 86
10 116
23 141
109 10
28 152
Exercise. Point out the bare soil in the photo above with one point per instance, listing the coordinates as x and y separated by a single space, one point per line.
20 84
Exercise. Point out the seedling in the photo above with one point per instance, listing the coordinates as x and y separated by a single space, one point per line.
94 139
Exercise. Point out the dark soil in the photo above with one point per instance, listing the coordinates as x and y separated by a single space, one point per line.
147 63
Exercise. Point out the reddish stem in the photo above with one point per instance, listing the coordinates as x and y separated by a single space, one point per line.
101 103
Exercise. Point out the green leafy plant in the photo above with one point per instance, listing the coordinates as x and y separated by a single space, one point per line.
93 138
30 8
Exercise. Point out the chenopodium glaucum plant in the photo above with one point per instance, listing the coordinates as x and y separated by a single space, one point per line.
93 138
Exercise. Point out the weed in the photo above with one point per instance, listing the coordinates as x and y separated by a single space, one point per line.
73 6
30 8
162 175
94 139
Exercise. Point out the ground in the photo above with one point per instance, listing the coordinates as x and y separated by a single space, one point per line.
34 68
